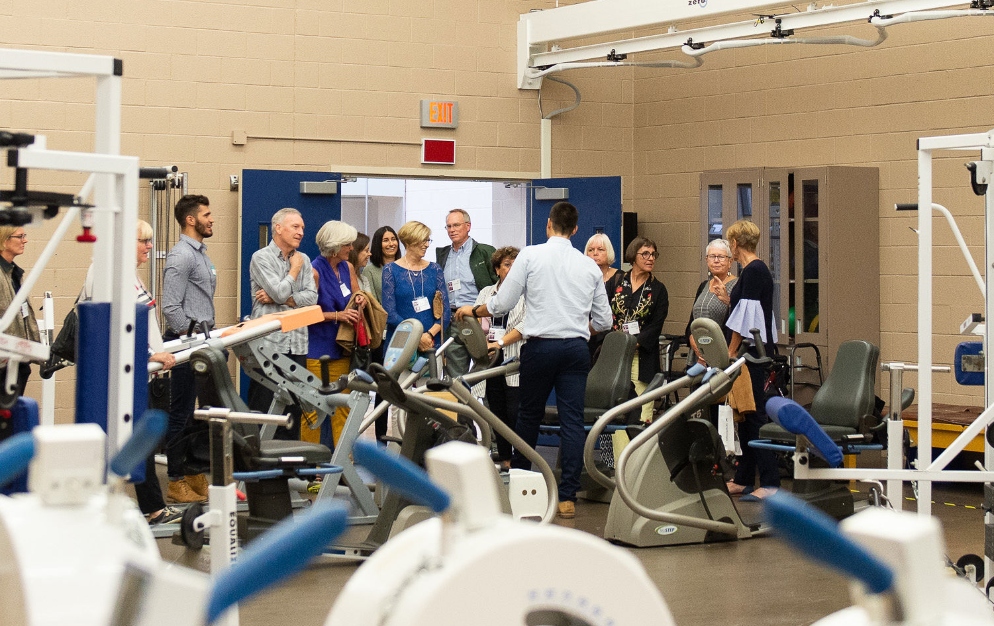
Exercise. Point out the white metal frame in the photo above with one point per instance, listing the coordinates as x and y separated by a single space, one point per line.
927 470
541 34
114 184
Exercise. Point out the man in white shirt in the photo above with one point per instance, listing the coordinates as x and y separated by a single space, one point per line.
564 301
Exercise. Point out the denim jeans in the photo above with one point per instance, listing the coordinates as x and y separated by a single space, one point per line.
563 365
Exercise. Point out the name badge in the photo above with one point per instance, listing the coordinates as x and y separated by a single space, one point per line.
25 311
345 290
420 304
632 328
454 285
496 332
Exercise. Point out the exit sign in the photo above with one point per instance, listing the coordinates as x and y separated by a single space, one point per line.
439 114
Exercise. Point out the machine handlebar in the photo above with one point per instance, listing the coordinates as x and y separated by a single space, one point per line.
144 440
402 475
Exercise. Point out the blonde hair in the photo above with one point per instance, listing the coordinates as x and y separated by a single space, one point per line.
332 236
6 232
745 234
145 230
413 233
608 246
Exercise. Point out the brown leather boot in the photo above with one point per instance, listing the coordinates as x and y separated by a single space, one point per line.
179 491
199 484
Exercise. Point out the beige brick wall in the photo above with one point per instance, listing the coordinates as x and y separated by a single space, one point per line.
810 106
349 70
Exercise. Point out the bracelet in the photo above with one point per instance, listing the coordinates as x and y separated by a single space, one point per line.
474 310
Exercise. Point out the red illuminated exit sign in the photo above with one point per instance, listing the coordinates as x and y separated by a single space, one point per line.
438 151
439 114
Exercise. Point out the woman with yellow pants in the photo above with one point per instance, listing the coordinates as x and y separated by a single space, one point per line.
336 281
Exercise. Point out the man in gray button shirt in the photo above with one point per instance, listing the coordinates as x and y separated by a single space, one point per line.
188 285
282 279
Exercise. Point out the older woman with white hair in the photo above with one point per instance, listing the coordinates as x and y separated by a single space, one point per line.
600 249
336 281
712 297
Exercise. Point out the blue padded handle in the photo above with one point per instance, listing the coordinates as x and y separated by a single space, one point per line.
696 369
15 456
818 536
364 376
144 440
795 419
280 552
402 475
419 364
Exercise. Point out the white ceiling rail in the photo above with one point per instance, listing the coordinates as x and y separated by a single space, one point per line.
542 34
842 40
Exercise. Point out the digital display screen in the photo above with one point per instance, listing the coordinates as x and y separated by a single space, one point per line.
400 339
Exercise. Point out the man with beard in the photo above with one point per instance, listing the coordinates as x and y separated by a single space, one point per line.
188 285
282 279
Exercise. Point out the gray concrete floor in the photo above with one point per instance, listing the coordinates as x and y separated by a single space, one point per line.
754 582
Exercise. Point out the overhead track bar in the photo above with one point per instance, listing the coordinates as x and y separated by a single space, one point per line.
542 34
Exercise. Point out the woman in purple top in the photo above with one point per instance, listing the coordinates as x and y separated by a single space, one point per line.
336 281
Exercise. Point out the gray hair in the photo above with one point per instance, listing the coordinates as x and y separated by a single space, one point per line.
333 235
608 246
465 214
720 243
281 215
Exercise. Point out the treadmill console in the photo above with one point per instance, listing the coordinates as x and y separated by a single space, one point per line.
403 346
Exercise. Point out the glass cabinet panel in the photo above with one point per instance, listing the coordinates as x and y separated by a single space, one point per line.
809 255
715 200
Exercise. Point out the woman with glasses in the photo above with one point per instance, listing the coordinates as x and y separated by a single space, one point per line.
24 325
414 287
751 306
640 304
712 297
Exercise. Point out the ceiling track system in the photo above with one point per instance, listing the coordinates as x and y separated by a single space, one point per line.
541 34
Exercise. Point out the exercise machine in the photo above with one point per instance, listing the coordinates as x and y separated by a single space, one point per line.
474 565
64 544
669 485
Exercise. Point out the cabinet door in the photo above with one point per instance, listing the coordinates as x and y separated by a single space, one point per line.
807 188
728 196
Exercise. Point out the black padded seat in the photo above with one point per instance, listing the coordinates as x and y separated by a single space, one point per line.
312 453
609 381
845 398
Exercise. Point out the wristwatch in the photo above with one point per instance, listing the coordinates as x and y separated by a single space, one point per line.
500 342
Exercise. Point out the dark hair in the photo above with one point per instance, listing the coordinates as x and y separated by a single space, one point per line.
360 243
637 244
376 249
189 205
507 252
564 217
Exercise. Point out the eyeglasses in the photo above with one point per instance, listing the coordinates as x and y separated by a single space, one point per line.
22 236
649 255
146 242
426 243
717 257
452 226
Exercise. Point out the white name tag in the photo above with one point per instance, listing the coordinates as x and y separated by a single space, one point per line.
454 285
496 332
420 304
345 290
632 328
25 311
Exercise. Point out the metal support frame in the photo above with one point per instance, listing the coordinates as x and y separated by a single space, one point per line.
115 189
541 34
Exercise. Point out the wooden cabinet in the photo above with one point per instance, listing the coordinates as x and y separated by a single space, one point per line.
820 237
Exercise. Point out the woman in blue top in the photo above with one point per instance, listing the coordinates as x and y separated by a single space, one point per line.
751 306
336 281
414 287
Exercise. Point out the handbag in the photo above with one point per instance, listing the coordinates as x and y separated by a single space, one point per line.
64 346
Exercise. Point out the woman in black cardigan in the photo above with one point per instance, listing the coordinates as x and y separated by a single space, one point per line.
640 304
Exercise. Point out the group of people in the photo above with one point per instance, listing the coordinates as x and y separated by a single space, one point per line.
548 305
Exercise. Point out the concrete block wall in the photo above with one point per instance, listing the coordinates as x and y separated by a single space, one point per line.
311 71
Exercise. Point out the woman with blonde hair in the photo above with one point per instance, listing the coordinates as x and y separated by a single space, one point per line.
751 306
13 240
414 287
600 249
